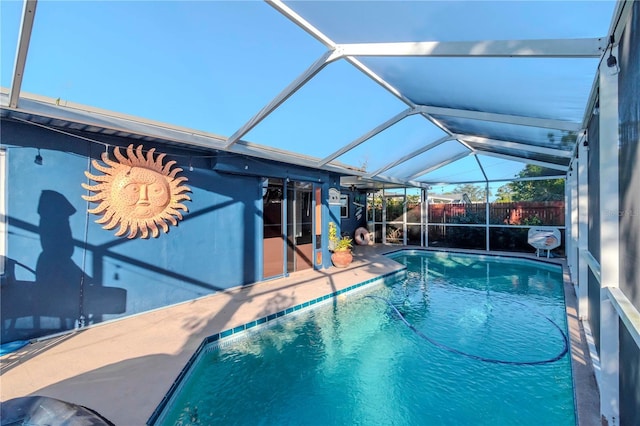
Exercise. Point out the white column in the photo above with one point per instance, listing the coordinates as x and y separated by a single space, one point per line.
383 237
404 218
570 219
583 230
487 212
609 244
426 217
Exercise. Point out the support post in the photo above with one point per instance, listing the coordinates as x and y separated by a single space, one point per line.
609 244
571 222
583 230
426 217
487 212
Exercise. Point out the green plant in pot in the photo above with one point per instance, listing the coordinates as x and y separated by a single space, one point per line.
342 256
333 236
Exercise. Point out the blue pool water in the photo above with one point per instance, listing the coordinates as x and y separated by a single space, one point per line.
460 340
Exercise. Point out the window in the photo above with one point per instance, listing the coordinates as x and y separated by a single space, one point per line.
344 206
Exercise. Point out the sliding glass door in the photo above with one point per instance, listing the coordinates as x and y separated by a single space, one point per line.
299 226
288 224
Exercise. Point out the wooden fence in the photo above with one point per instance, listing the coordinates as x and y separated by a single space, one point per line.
549 213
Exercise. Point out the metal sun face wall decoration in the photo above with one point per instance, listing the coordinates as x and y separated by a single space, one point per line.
137 192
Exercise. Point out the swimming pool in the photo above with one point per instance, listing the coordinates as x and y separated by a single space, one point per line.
460 339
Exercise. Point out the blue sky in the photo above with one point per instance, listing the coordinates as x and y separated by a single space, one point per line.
186 63
211 65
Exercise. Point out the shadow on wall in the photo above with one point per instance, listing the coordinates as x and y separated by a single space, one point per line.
63 296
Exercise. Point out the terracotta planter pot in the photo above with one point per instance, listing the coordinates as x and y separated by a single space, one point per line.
342 258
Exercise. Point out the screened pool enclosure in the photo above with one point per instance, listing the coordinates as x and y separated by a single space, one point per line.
470 219
442 124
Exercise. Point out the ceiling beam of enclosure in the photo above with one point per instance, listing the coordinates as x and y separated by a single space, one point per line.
484 173
524 160
371 133
409 156
553 48
525 179
515 145
292 88
502 118
450 160
26 28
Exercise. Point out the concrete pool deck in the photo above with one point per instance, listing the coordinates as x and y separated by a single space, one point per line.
123 369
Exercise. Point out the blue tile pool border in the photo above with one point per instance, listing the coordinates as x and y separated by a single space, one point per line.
228 336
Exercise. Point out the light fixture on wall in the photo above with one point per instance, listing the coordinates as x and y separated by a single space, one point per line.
612 62
38 159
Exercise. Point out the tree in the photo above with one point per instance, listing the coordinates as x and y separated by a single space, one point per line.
504 194
475 192
413 199
532 190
